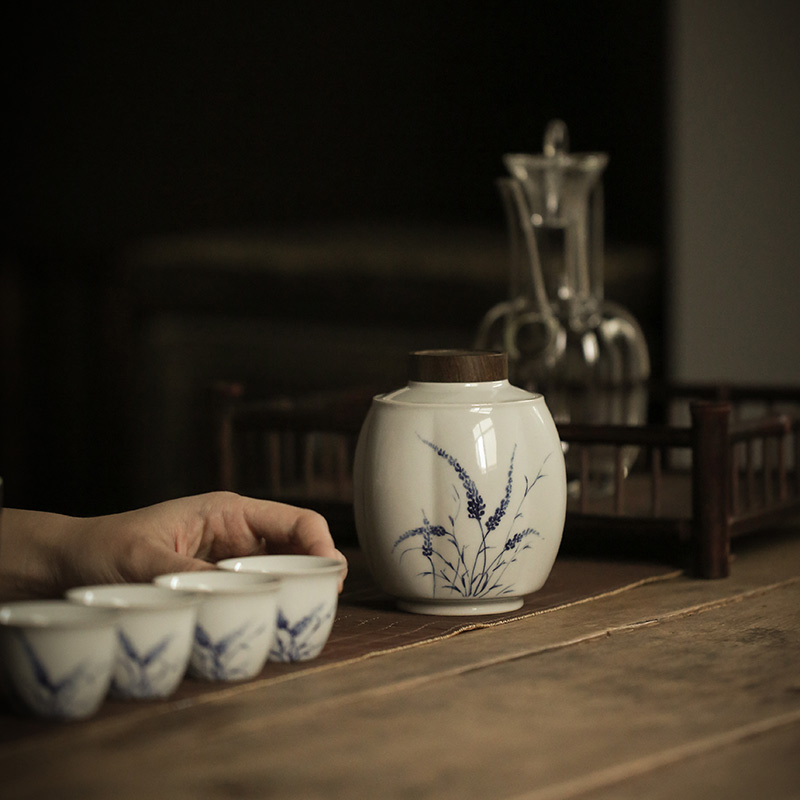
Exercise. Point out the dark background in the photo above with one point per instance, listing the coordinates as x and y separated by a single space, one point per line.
135 120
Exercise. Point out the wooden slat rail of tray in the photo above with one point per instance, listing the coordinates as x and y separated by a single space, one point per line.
700 484
717 511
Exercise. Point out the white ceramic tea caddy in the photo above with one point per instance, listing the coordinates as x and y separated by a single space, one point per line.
235 621
459 487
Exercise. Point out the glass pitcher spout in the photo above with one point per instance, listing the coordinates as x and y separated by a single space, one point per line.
564 195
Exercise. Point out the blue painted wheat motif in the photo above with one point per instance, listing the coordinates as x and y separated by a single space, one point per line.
481 573
295 641
144 670
218 658
56 697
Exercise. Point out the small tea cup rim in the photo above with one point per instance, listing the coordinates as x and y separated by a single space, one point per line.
50 614
248 583
130 597
285 565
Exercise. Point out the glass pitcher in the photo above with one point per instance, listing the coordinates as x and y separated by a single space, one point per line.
586 354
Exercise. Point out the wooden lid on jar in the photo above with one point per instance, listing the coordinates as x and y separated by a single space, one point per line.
457 366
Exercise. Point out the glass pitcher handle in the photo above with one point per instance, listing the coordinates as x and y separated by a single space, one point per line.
549 338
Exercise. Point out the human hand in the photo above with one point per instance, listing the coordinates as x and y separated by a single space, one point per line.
44 554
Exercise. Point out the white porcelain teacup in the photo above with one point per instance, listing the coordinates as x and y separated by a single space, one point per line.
155 630
235 621
307 600
56 658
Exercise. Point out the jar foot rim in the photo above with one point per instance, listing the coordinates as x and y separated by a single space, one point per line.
460 608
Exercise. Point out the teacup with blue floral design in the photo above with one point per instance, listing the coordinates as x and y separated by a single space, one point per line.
235 624
307 600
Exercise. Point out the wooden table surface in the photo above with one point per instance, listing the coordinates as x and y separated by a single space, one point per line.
678 688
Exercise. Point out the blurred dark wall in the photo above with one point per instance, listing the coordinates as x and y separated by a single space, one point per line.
130 120
134 118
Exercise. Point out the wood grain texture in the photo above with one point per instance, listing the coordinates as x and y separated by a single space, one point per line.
762 763
635 691
368 624
457 366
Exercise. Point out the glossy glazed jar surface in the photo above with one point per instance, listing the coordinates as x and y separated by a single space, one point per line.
460 487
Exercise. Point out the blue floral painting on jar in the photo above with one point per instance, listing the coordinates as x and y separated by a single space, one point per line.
453 567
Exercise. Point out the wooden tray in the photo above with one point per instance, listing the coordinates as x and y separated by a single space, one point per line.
721 462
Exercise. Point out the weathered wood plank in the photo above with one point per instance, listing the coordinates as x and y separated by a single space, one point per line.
755 761
503 712
529 723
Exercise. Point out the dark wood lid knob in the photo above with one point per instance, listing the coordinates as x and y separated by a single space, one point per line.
458 366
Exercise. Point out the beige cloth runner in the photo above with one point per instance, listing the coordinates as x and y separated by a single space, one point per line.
368 624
